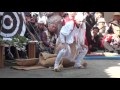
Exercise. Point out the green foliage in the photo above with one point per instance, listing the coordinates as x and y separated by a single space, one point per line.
20 42
1 40
17 41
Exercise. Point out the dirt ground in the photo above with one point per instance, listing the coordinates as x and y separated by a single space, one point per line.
95 69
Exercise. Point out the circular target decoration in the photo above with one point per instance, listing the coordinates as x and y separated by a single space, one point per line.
12 24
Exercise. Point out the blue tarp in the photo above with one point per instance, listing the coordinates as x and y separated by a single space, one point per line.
102 58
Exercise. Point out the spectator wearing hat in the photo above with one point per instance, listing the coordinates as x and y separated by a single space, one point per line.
43 16
103 30
102 25
116 16
47 36
112 41
41 27
98 15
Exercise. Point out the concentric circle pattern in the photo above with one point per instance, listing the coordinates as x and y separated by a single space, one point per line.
12 23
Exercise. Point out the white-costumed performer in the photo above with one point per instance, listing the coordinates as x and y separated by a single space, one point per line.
72 33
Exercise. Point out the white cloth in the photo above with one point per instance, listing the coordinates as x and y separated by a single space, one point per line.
72 33
67 33
80 33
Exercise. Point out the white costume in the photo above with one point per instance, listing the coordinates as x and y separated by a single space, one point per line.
68 35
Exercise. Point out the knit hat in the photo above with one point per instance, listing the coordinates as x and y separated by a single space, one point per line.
101 20
42 19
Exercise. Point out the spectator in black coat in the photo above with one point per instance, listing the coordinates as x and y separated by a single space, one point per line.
95 40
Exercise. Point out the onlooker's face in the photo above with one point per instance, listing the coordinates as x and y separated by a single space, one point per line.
116 29
52 27
33 20
95 31
116 17
41 26
101 25
98 15
28 19
79 22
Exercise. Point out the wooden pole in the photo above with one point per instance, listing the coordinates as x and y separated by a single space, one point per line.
31 50
2 54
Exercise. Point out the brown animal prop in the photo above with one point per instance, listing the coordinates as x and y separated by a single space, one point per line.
48 60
